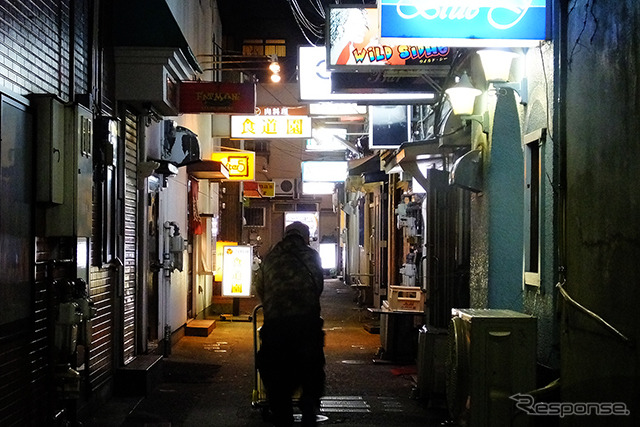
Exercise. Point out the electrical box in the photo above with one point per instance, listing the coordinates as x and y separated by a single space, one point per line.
50 149
65 176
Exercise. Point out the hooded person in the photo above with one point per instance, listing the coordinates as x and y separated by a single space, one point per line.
289 283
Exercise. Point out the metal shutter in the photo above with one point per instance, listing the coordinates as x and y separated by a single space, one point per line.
130 240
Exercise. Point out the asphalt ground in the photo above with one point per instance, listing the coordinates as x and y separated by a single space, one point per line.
211 381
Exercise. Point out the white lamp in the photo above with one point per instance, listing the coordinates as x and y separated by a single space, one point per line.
496 64
497 68
462 96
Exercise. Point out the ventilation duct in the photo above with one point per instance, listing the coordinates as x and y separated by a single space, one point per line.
467 171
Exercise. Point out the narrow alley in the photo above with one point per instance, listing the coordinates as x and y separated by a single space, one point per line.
208 381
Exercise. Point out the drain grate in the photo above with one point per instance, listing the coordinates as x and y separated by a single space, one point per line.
390 404
357 404
344 404
350 410
342 398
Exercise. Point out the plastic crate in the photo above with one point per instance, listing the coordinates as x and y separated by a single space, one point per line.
406 298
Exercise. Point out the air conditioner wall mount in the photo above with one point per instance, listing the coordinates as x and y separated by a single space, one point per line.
286 187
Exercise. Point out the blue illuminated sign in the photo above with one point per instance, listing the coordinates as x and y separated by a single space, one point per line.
470 22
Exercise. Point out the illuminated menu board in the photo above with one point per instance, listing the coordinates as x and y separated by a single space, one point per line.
236 271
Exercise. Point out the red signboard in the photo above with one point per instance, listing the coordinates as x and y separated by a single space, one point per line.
280 110
215 97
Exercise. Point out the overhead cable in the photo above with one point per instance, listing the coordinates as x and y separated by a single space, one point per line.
307 27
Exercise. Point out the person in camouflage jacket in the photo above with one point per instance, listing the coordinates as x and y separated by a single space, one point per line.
289 283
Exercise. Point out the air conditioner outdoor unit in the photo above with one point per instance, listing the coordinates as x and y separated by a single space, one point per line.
491 357
285 187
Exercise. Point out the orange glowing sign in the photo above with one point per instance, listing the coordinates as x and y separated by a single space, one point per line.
240 164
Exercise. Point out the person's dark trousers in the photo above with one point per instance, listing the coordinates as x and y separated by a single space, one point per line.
291 357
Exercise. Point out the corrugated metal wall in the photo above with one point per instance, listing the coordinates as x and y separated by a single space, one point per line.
23 335
101 290
130 241
35 46
44 48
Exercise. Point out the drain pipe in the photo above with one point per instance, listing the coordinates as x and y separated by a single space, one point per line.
167 266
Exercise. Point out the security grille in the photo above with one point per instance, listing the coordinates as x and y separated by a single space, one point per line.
254 217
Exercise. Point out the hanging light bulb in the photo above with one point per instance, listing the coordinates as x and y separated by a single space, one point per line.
462 96
274 67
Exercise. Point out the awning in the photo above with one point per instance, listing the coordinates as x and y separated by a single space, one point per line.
410 152
208 169
454 136
259 189
369 164
408 155
251 190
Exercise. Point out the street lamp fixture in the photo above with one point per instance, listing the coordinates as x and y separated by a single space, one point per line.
496 64
462 96
274 67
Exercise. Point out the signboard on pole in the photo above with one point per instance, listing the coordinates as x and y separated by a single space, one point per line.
236 271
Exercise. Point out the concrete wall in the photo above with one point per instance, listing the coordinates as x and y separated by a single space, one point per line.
498 212
603 206
540 113
200 24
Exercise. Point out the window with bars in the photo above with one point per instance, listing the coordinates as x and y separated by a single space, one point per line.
264 47
254 217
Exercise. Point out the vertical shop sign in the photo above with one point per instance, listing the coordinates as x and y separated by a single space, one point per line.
236 271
